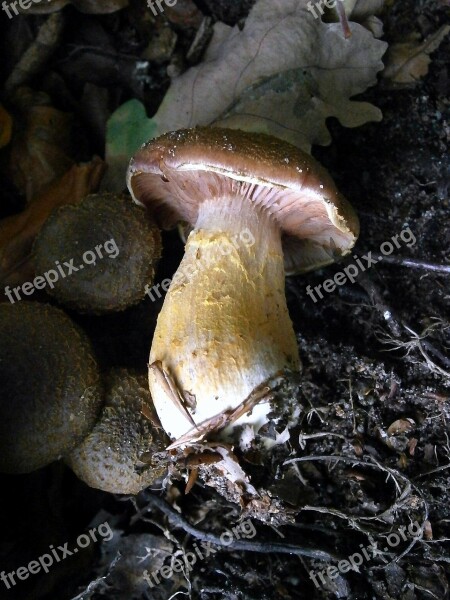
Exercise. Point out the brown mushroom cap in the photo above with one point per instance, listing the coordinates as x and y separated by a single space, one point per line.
173 174
50 393
113 282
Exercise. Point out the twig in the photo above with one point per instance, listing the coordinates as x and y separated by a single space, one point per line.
396 325
436 470
416 342
309 436
413 263
378 302
242 545
437 353
372 463
99 582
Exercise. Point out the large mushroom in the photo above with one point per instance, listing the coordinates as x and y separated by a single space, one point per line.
224 334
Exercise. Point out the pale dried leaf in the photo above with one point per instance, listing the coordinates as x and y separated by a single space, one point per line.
408 62
285 73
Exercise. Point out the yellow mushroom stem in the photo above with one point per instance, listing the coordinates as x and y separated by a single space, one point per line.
224 328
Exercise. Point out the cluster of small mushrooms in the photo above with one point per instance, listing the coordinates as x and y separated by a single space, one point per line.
224 341
55 404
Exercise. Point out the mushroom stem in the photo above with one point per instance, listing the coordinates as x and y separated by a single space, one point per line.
224 327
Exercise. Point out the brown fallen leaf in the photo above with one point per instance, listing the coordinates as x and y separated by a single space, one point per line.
184 14
41 152
401 426
407 62
36 56
5 127
18 232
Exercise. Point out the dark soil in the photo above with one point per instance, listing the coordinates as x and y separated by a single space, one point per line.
373 438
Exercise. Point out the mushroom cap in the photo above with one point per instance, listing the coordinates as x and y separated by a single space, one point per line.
118 279
110 458
174 173
50 393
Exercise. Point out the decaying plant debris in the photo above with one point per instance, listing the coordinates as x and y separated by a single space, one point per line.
371 451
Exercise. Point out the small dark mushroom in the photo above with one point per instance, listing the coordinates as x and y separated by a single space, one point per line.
103 253
50 393
118 456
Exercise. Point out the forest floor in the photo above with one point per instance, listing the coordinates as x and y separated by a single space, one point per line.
373 438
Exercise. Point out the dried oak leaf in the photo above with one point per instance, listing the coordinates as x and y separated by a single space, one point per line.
407 62
284 73
17 232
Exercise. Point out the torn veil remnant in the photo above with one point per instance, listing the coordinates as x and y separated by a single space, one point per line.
224 335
